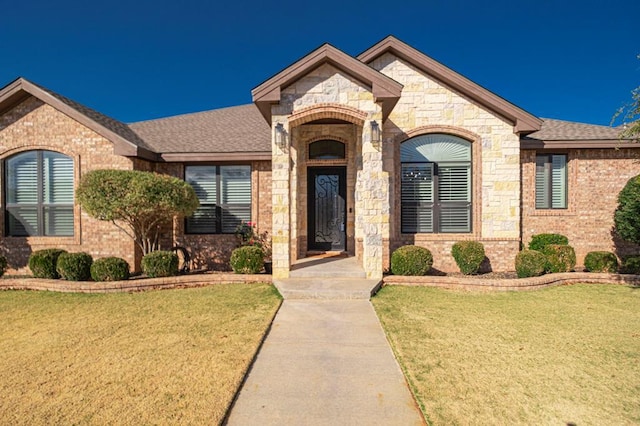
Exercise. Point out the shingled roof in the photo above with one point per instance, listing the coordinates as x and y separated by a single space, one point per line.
569 134
239 132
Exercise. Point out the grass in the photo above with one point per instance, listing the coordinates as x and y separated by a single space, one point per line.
561 355
160 357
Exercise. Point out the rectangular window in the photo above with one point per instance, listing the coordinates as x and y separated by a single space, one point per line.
551 181
225 198
436 197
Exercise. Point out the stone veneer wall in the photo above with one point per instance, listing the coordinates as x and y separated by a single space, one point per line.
595 178
426 106
34 125
323 87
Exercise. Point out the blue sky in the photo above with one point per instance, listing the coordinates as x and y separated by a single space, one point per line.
142 59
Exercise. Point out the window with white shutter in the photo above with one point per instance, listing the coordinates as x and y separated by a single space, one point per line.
436 184
39 194
551 181
225 198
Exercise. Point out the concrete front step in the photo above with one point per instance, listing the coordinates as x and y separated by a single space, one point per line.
327 288
327 267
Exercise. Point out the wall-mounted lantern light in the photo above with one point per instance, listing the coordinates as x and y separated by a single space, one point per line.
375 133
281 136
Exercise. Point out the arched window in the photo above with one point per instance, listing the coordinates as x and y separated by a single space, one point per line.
326 150
39 194
436 184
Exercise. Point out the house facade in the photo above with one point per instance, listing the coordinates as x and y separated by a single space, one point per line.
337 153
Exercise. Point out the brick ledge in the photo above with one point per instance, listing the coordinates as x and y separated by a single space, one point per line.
134 285
477 283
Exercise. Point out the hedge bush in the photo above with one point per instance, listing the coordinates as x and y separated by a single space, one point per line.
411 260
601 261
468 255
626 215
560 258
530 263
631 265
247 260
42 263
540 241
3 265
160 264
110 269
74 266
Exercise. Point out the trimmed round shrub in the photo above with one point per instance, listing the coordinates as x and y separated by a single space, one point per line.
540 241
626 215
631 265
530 263
110 269
468 255
74 266
411 260
247 260
43 263
3 265
160 264
601 261
560 258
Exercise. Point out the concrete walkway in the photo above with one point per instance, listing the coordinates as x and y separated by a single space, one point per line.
326 361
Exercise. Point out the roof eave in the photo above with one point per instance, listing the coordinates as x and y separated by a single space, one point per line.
577 144
186 157
523 121
20 89
384 89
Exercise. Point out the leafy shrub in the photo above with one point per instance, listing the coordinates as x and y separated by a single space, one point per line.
560 258
411 260
74 266
601 261
626 216
247 260
468 256
3 265
530 263
160 264
43 263
540 241
631 265
110 269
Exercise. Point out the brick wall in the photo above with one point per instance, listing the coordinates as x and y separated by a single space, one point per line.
595 178
34 125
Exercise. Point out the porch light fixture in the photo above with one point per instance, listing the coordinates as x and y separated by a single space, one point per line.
281 136
375 133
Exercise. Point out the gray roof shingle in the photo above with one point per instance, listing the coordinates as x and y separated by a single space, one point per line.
560 130
226 130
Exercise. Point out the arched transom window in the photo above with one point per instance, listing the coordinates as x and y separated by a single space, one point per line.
39 194
326 150
436 184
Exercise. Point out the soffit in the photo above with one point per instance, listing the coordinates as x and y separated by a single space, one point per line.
385 90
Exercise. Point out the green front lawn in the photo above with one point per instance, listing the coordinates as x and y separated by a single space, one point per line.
159 357
561 355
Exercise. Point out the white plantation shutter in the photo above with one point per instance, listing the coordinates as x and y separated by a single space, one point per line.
225 198
446 205
551 181
40 194
236 196
417 196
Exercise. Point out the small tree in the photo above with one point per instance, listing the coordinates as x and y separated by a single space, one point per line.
137 202
629 114
627 225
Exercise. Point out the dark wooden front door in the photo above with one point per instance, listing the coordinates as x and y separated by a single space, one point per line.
327 212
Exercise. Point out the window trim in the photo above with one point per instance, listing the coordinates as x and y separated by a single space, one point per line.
40 206
219 207
438 205
548 171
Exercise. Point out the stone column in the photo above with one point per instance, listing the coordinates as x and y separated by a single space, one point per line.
281 202
372 203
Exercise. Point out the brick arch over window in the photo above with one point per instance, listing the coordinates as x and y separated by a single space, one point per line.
328 111
475 169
